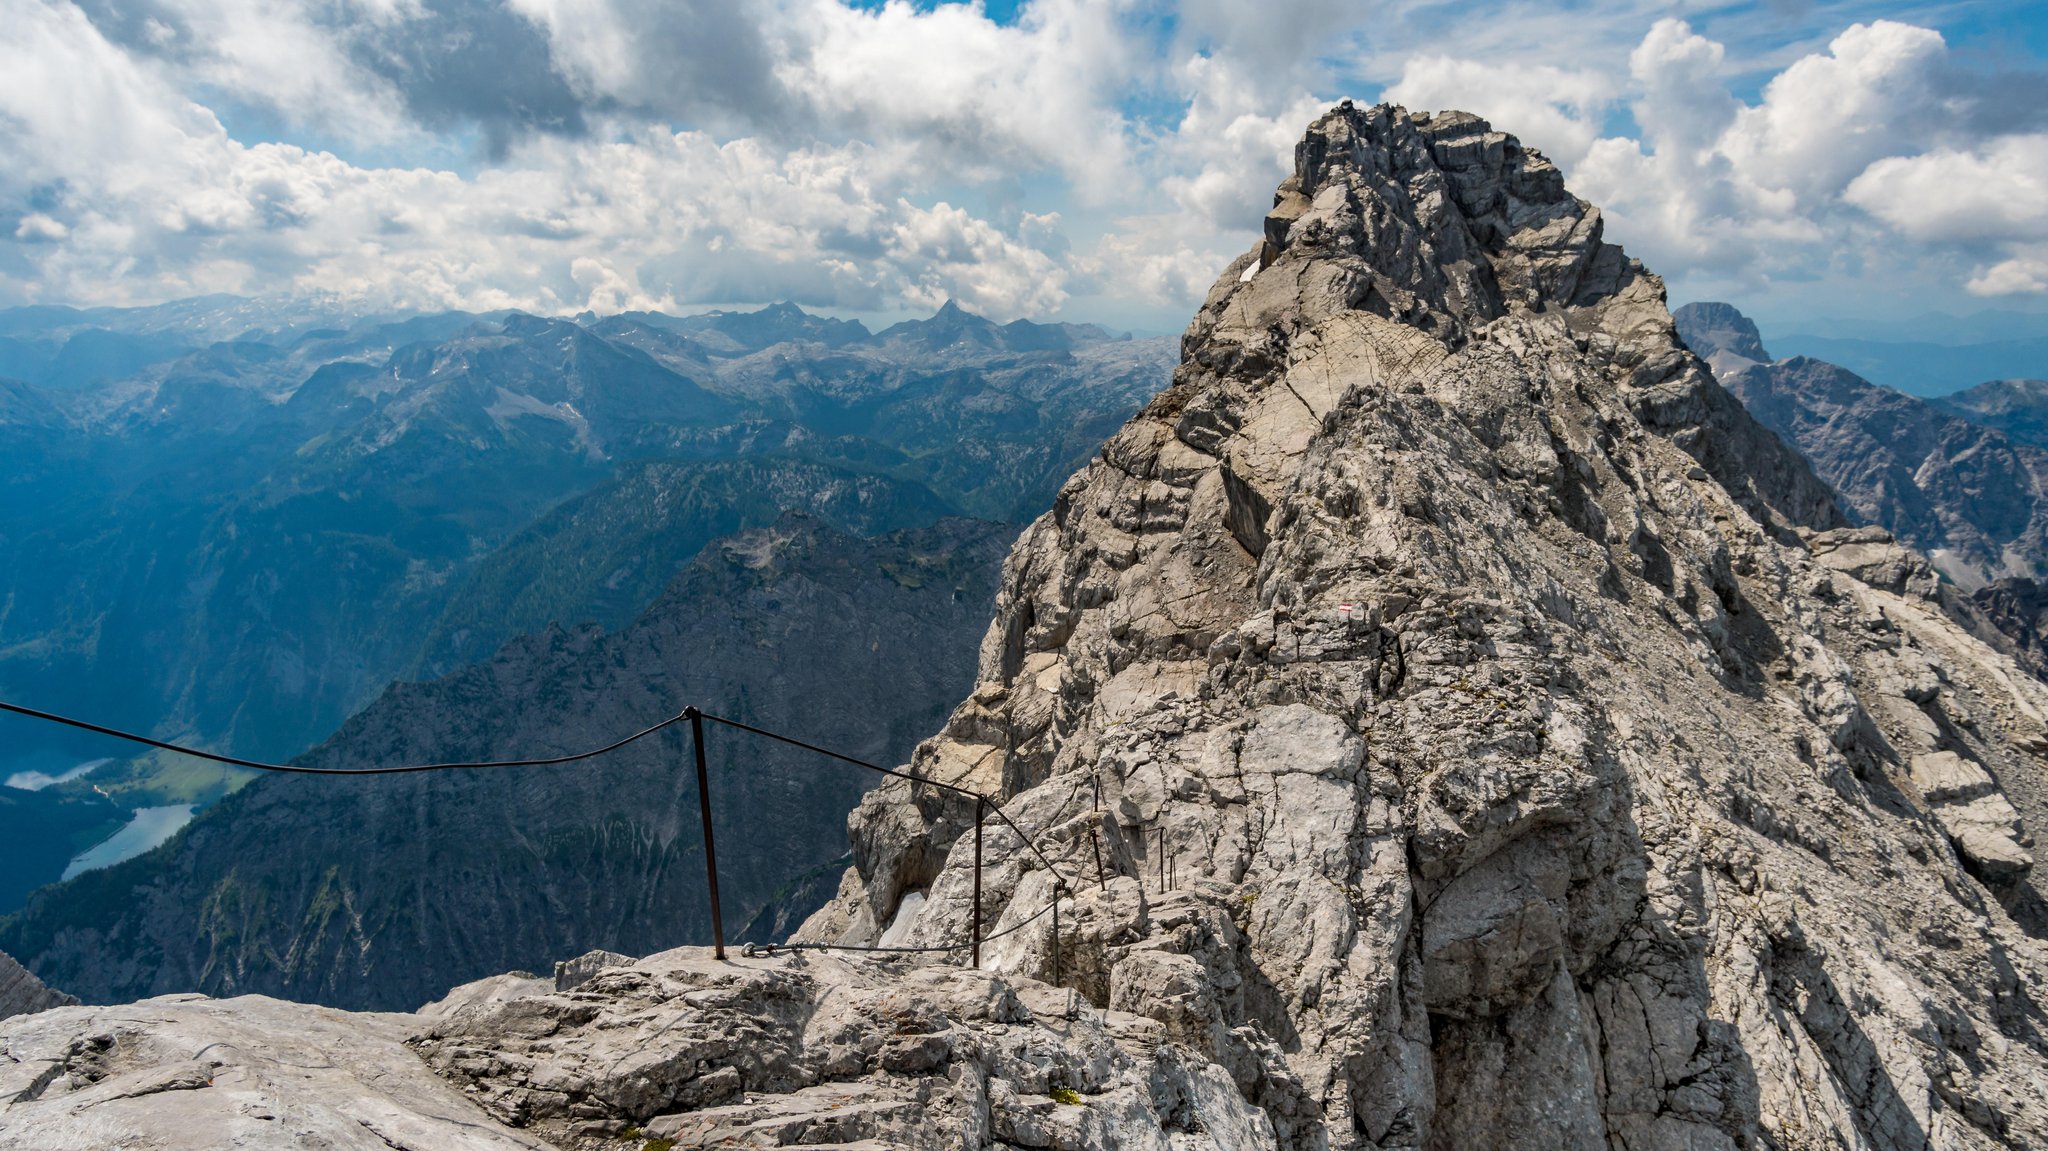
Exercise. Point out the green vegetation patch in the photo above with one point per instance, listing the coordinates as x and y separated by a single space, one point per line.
160 779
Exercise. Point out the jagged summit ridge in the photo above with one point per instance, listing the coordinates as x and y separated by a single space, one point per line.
1444 225
1439 222
1611 814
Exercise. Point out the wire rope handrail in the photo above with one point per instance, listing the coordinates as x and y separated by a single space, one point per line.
696 716
300 769
992 801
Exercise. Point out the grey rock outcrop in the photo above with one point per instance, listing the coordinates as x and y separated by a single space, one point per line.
673 1050
807 1050
2018 610
21 993
1592 821
1978 818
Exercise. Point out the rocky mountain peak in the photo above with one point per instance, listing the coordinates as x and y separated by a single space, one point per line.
1498 740
1440 222
1713 330
1445 227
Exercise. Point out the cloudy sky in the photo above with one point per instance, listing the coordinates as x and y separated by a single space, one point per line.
1081 159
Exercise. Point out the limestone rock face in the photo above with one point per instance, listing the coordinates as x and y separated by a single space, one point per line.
1498 740
806 1049
780 1050
21 993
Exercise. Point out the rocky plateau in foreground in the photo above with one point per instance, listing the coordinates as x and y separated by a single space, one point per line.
1501 740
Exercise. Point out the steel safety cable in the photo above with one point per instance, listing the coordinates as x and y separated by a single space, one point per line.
994 804
296 769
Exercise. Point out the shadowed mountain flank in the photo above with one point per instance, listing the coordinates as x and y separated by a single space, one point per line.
380 892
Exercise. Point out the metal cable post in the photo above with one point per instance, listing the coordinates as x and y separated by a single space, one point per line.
710 850
1057 888
974 933
1095 841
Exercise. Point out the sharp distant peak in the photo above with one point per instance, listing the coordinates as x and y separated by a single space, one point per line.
951 312
1720 334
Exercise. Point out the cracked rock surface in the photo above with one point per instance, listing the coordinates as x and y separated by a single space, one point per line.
1529 754
187 1073
786 1050
810 1049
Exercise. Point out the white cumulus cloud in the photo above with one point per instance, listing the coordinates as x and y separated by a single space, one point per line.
1992 198
1106 157
1554 109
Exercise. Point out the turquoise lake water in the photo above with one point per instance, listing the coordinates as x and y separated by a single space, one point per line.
148 827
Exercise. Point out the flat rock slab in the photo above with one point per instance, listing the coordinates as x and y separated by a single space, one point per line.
185 1072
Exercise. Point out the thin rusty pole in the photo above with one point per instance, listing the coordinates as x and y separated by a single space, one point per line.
1095 841
1056 888
975 929
710 850
1162 859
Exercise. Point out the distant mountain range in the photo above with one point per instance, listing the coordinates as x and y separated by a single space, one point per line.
1962 477
235 523
1923 368
2016 408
